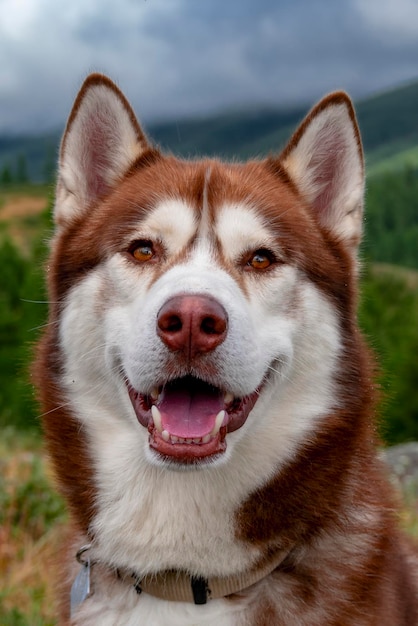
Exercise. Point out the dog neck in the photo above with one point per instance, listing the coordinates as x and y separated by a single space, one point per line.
179 586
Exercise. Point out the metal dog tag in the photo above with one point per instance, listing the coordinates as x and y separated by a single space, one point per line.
81 588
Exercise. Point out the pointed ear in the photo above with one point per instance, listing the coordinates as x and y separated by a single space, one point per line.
324 159
102 139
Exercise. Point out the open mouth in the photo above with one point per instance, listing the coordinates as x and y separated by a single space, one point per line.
188 419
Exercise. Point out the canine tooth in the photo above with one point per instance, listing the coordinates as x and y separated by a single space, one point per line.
156 416
155 393
218 423
228 397
206 438
165 435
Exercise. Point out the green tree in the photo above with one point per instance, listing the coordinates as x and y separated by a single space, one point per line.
22 312
21 170
389 315
6 176
392 218
50 164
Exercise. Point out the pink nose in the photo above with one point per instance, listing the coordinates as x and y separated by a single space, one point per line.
193 324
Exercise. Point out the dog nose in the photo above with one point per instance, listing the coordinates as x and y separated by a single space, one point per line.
194 324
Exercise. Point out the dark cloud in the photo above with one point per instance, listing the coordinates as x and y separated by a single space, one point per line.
180 57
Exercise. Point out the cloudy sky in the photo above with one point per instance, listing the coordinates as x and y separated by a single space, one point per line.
179 57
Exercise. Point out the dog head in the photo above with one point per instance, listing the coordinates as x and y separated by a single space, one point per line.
201 311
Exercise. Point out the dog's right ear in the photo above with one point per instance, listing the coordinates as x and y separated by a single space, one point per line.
101 141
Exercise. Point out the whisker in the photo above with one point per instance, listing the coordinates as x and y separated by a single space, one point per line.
30 330
38 301
92 350
99 385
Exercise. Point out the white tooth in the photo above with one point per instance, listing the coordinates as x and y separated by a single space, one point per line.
165 435
206 438
188 440
174 439
155 393
218 423
181 440
156 416
228 397
197 440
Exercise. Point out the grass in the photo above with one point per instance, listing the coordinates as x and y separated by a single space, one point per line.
32 519
407 275
20 208
32 189
409 511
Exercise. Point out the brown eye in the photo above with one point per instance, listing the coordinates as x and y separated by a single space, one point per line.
261 259
142 251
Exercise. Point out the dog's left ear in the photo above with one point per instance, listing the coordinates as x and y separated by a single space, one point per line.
101 141
324 159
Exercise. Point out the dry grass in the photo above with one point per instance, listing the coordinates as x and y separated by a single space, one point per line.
409 511
407 275
19 214
32 521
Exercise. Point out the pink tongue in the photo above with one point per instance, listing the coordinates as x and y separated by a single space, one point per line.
189 412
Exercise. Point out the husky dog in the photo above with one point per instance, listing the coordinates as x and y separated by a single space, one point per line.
207 395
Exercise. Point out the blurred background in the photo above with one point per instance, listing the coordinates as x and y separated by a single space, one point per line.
218 78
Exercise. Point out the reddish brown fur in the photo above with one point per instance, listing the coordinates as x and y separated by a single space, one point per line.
67 446
308 501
